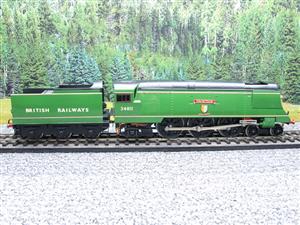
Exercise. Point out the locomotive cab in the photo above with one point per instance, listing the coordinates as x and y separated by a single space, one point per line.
127 104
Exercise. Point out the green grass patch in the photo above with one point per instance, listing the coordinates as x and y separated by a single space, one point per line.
294 111
5 108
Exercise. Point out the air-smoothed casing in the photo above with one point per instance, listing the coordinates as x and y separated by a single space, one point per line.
151 102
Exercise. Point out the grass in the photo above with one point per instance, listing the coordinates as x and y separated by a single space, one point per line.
5 107
294 111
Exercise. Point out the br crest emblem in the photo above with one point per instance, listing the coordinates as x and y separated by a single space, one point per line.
204 103
204 108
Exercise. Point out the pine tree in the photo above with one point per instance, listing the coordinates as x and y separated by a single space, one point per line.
155 30
57 67
293 79
160 75
19 26
108 87
32 32
33 70
107 81
103 9
13 75
119 70
181 74
221 69
128 68
80 68
292 67
75 30
116 17
46 24
195 70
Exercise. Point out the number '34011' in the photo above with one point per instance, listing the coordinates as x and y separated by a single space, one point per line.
126 108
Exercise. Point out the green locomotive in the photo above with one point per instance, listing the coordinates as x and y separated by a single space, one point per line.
198 107
140 107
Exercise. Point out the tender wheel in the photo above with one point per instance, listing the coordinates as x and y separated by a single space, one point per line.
61 132
276 130
31 132
203 122
170 122
251 131
91 132
230 132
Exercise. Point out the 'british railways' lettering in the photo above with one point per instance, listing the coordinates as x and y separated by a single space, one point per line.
37 110
59 110
68 110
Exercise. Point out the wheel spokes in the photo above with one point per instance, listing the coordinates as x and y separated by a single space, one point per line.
161 127
202 122
230 132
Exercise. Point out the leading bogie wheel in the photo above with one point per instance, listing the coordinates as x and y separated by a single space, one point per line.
169 122
252 131
276 130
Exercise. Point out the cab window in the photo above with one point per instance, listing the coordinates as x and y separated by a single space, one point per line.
123 97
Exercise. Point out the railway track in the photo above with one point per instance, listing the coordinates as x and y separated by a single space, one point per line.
109 143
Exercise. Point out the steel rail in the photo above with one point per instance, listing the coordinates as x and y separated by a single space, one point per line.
108 143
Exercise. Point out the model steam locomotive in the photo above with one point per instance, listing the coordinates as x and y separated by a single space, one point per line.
141 108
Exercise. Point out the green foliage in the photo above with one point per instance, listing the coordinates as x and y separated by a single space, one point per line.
120 69
46 23
195 70
108 87
181 74
292 83
170 40
291 50
13 74
57 65
33 70
80 68
222 69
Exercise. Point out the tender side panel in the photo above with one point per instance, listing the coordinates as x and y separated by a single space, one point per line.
57 108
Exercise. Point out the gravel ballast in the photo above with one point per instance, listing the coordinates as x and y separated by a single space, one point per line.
231 187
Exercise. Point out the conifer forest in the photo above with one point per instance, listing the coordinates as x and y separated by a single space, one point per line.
49 42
